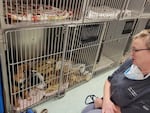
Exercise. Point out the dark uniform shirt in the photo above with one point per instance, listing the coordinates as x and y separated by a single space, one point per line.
133 96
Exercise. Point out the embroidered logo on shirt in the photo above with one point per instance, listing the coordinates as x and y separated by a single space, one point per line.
131 90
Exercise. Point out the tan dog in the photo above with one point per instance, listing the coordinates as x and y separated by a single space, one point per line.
19 87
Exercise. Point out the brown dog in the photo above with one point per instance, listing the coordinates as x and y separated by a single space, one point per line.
19 87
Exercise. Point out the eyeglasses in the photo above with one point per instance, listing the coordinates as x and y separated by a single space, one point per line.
137 50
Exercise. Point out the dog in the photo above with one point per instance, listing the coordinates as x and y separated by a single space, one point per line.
19 86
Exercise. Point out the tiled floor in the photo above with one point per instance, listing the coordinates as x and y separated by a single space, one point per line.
73 101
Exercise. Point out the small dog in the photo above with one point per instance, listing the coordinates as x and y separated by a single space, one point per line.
23 81
19 87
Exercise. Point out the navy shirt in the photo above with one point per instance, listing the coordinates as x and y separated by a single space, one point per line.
133 96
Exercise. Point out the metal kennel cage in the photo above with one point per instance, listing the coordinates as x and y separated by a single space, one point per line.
44 62
22 12
34 70
146 10
133 9
142 23
33 12
48 47
83 51
114 42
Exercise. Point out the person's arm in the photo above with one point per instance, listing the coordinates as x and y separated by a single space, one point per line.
99 103
106 91
108 106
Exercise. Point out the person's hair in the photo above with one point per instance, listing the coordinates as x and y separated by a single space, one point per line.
145 35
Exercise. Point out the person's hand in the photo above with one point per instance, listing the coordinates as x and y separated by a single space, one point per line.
98 103
118 109
109 107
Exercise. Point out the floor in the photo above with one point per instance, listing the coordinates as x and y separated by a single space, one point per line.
73 101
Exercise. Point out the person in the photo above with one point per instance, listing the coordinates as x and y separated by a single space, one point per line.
127 90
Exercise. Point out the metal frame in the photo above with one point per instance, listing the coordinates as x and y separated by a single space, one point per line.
4 73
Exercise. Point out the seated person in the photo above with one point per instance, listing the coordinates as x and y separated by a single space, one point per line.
127 90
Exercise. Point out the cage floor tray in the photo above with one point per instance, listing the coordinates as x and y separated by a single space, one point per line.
103 12
103 63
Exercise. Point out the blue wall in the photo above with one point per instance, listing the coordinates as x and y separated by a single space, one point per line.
1 93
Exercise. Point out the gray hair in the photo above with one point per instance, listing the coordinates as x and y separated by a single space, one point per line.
145 35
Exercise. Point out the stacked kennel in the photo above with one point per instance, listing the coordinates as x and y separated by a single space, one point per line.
116 36
49 47
116 41
143 22
44 62
31 12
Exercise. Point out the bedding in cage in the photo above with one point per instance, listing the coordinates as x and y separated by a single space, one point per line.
104 9
35 10
41 10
